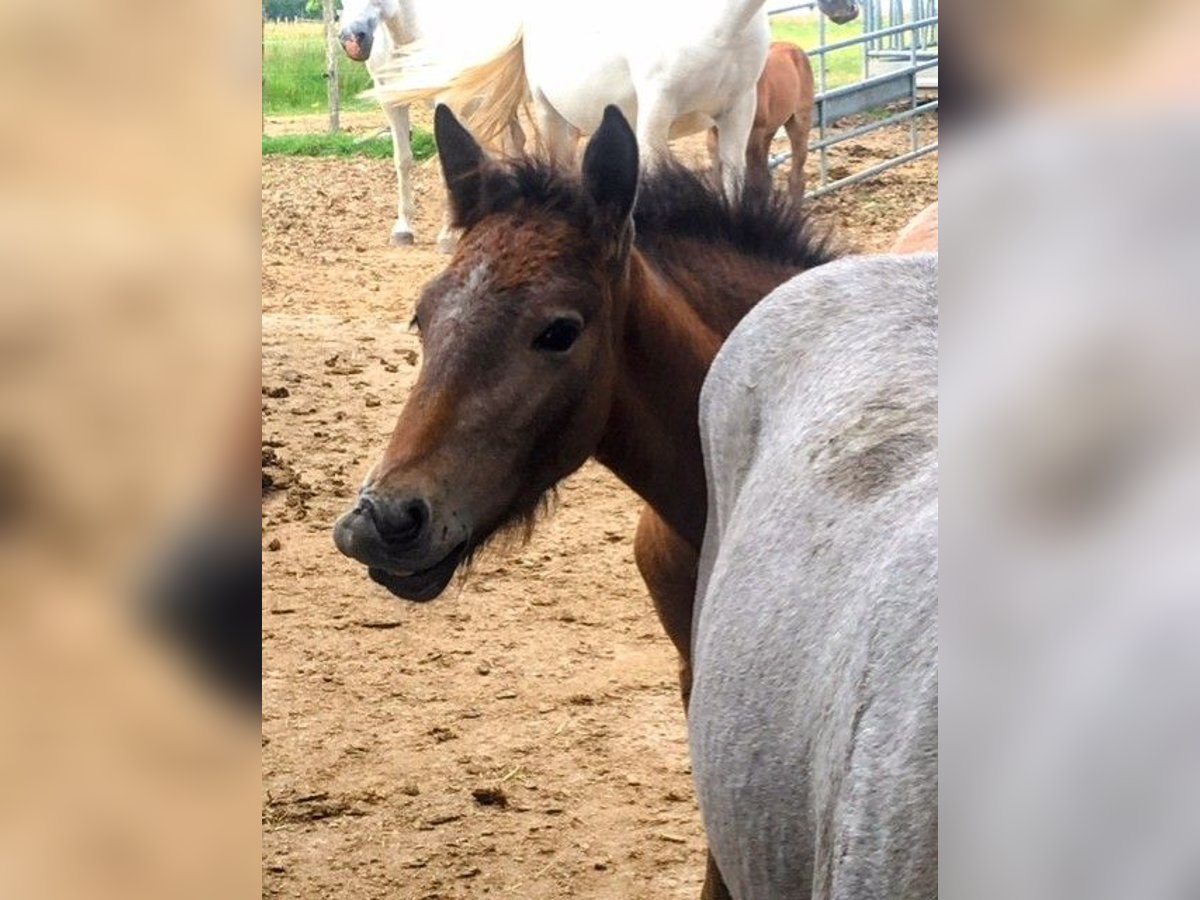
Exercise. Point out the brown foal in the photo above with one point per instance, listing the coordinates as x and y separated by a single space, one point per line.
570 323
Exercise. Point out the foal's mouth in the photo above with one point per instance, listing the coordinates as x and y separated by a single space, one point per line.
422 585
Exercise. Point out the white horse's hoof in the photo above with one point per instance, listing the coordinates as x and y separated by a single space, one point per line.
446 245
402 239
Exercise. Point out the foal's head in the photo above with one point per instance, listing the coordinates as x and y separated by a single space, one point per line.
521 336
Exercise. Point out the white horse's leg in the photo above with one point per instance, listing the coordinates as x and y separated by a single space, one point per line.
402 155
447 236
733 131
654 121
559 135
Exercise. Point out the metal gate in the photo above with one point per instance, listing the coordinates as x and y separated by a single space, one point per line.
899 59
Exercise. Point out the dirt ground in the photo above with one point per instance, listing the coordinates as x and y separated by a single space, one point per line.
522 735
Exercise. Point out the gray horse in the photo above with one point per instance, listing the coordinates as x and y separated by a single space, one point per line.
813 720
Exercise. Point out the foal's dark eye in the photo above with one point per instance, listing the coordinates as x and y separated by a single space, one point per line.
558 336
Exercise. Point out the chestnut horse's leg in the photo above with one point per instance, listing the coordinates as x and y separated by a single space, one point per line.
799 124
798 136
758 157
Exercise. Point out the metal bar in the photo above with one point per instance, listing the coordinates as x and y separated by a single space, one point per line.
913 66
897 55
873 170
875 126
823 156
893 71
882 90
860 131
869 24
865 36
858 86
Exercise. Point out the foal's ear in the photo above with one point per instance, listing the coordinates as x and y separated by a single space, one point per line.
610 170
465 167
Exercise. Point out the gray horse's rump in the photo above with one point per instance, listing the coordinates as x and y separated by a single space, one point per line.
813 719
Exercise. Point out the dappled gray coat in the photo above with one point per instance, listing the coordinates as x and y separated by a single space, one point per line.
813 718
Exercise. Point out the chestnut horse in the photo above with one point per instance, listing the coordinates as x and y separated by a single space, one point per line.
920 235
784 100
570 323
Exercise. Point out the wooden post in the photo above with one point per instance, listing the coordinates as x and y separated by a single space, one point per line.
332 52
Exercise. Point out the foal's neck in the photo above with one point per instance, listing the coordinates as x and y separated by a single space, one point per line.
652 439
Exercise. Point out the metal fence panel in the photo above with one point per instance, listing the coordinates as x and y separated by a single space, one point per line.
899 42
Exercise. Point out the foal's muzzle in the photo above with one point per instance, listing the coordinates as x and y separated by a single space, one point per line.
379 530
393 538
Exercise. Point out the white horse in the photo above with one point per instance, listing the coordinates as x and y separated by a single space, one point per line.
370 31
673 67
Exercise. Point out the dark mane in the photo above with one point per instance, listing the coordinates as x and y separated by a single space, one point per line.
675 203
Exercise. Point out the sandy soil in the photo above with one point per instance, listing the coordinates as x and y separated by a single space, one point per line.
522 735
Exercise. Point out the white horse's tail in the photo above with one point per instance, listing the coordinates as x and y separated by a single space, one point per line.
501 88
495 89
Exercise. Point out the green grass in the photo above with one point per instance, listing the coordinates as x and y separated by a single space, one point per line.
343 145
294 72
294 63
844 66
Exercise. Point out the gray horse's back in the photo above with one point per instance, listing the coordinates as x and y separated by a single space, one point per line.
813 718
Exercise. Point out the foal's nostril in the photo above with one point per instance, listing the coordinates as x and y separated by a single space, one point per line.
399 521
410 519
366 507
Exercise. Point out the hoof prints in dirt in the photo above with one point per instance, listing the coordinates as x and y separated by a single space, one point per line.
278 475
315 807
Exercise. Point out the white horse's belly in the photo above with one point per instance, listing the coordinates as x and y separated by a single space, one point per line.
580 66
580 76
711 75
